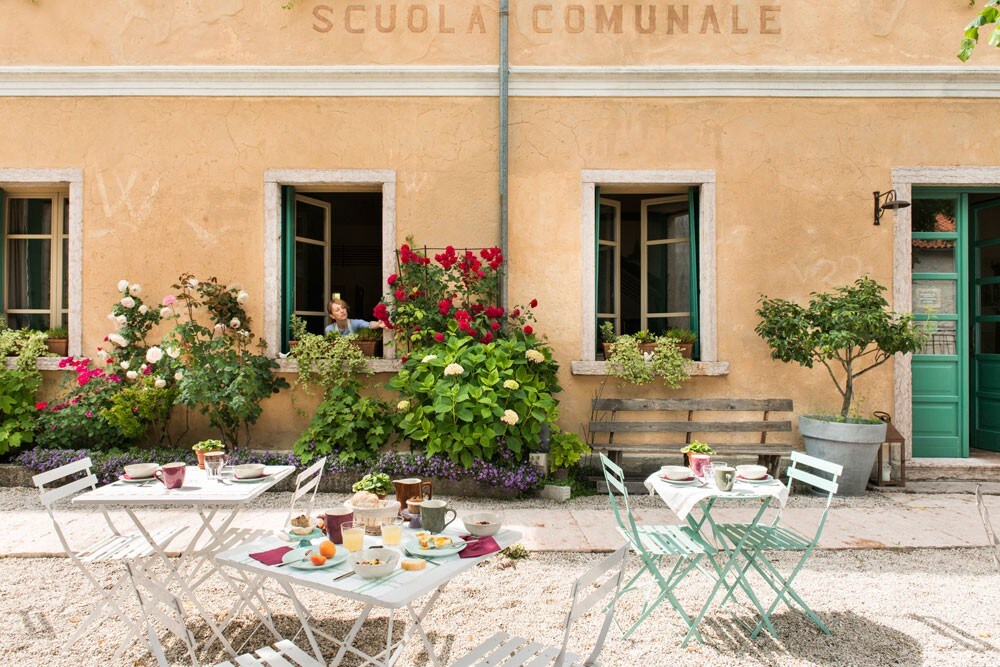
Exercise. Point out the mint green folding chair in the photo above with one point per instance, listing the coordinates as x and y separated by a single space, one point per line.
755 540
652 544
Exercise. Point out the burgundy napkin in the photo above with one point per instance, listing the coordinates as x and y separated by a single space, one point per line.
272 557
481 547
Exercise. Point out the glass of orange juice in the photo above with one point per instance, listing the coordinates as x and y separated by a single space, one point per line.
392 532
354 535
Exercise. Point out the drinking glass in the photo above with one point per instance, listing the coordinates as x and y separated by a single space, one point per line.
392 532
213 465
710 470
354 535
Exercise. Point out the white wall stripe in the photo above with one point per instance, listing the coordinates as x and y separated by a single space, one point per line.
481 81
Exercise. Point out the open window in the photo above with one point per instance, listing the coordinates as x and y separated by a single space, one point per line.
647 260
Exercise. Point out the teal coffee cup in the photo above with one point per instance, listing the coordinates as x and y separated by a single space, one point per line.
434 515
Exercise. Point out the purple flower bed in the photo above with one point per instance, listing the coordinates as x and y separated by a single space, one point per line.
508 474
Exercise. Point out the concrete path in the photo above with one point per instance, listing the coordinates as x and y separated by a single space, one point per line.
913 521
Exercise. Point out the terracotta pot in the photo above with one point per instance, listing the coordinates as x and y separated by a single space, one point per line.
57 346
292 343
367 347
200 453
687 349
608 349
647 348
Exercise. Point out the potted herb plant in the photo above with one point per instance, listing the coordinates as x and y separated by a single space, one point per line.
698 455
647 340
608 338
685 339
206 446
366 340
851 331
630 363
57 340
377 483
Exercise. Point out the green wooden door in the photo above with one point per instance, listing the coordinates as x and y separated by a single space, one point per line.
941 368
985 307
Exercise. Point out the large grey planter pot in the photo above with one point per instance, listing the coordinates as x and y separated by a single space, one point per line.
853 446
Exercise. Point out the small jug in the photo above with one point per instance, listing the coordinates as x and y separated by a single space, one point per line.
724 477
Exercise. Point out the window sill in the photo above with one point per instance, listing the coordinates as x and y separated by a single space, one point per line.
44 363
374 365
713 368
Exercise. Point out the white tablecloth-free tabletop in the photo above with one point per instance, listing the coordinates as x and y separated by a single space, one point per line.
682 499
197 490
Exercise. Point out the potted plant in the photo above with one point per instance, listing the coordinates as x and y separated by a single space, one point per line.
851 331
57 340
647 340
685 339
698 455
366 340
630 363
608 338
206 446
377 483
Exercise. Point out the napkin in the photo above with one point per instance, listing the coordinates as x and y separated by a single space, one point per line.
481 547
272 557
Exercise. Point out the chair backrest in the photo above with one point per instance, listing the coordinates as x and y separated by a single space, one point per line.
306 481
827 484
984 514
50 495
614 477
160 607
584 596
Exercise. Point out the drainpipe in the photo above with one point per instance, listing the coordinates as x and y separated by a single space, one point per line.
504 75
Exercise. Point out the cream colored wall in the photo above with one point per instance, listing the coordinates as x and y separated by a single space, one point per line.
463 32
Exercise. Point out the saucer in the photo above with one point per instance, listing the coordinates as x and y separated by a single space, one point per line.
681 482
124 479
767 479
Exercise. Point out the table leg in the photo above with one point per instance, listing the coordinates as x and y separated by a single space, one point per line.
349 639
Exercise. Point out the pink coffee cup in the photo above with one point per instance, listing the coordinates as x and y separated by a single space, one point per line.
171 474
336 518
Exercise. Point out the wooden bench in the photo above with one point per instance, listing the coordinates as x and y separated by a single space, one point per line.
768 454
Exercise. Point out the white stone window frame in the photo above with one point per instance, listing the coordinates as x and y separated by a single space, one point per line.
61 179
704 180
904 179
274 179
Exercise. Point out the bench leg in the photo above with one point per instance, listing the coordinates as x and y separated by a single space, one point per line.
772 462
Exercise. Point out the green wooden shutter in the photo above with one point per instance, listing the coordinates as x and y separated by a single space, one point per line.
693 207
3 230
597 257
287 262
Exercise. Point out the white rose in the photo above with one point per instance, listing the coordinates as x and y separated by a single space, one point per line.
173 352
154 354
192 282
128 302
453 369
142 369
510 417
124 365
429 357
117 340
122 285
234 323
220 327
178 376
121 319
111 316
135 290
403 406
242 297
166 312
160 383
143 309
131 375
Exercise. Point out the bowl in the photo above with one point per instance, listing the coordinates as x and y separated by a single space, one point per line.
141 470
374 517
389 560
249 470
751 471
676 472
482 524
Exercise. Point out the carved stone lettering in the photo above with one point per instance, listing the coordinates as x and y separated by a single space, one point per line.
737 28
442 27
575 18
650 26
349 12
680 20
767 17
385 27
323 23
416 18
536 19
477 20
609 20
709 18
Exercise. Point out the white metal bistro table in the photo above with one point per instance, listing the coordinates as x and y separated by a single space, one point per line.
684 499
216 503
399 590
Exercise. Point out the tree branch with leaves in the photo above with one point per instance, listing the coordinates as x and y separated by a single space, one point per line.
988 15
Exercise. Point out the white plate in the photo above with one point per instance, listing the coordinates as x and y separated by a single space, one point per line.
296 554
412 546
249 480
687 482
763 480
136 480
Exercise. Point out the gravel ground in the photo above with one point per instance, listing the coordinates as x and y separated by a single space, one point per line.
923 607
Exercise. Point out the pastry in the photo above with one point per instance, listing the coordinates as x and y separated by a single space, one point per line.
414 564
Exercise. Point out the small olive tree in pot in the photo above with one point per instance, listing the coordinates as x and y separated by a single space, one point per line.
851 331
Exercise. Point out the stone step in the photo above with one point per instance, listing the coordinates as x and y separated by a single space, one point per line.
942 486
981 466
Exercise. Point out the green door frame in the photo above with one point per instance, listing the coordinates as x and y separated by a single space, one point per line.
984 438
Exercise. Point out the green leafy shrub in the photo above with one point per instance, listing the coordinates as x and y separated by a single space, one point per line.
630 364
352 425
565 449
376 482
141 411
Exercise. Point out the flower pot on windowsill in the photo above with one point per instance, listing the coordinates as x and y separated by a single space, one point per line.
367 347
58 346
687 349
608 349
648 348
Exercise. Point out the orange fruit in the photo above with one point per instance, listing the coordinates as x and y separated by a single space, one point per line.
328 548
317 559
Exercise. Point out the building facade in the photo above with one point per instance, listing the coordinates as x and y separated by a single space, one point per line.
668 164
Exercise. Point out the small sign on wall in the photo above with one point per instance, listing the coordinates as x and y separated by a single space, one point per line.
927 298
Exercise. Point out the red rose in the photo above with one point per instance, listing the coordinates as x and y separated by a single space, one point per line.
534 303
494 325
528 330
392 279
41 406
516 312
403 360
439 337
487 337
463 325
400 295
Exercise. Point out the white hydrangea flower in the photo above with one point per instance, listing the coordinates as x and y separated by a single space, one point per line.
122 285
510 417
511 384
131 375
135 290
428 358
154 354
403 406
128 302
242 297
234 323
534 356
453 369
160 383
143 309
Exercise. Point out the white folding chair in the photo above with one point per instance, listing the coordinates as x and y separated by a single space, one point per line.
305 482
503 649
984 514
113 547
160 607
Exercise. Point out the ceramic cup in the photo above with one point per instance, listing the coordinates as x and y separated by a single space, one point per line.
724 476
171 474
434 515
336 518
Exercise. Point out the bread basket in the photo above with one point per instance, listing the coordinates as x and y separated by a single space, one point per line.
374 517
